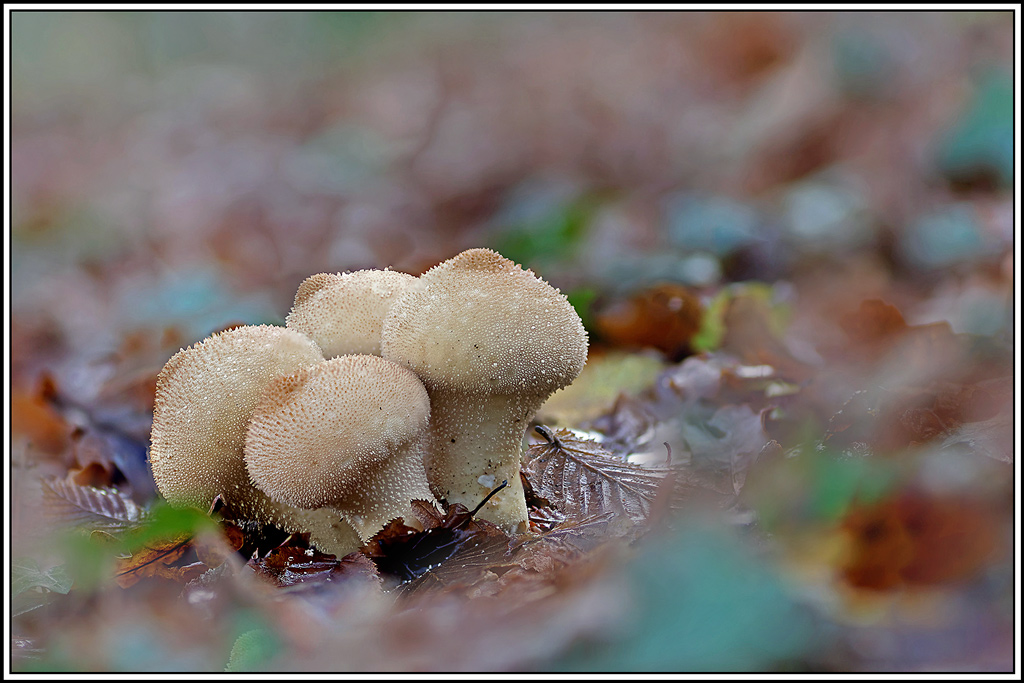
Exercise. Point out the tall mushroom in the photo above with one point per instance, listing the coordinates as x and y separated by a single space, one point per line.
491 342
205 396
346 433
343 312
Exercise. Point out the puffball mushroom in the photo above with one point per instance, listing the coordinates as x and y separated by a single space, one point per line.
346 433
491 342
343 312
205 396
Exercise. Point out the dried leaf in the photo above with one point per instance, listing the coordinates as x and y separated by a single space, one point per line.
408 553
459 559
726 443
627 427
293 565
583 480
874 323
665 317
918 539
892 419
160 560
992 438
34 418
213 549
71 504
114 437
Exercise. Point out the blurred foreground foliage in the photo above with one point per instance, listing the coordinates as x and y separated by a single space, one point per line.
789 235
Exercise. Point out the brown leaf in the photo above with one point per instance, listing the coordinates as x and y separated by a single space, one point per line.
583 480
70 504
159 560
291 565
888 420
626 427
918 539
461 559
665 317
874 323
34 417
752 335
882 341
408 553
213 549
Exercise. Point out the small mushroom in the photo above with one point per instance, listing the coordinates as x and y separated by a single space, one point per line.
343 312
491 342
205 396
346 433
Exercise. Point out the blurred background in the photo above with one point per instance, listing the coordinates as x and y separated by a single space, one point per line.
192 168
175 173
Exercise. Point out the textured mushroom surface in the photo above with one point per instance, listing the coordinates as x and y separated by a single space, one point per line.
490 341
204 398
343 312
346 433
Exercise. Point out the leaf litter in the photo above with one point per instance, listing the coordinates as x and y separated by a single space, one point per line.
792 447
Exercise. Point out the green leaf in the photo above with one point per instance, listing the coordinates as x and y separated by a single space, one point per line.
712 328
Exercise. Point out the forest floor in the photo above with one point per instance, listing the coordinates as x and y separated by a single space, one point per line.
791 238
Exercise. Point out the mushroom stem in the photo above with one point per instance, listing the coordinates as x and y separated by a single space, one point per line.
470 439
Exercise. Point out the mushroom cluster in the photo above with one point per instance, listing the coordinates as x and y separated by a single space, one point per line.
383 388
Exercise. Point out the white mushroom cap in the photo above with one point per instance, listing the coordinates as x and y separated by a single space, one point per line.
205 396
346 433
343 312
491 342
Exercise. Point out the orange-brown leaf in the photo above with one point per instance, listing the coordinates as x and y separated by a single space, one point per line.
665 317
160 560
918 539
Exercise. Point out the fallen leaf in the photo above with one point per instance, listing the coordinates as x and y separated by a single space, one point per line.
214 549
604 378
665 317
724 444
992 438
293 565
889 420
918 539
28 575
34 418
583 480
627 427
408 553
159 560
71 504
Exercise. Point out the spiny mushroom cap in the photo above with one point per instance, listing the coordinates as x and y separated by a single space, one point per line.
480 323
343 312
205 395
317 434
